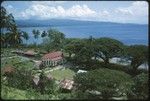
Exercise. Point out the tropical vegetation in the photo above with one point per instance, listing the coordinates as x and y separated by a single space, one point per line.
102 79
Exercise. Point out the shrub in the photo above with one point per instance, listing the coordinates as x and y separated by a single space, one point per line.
110 83
140 89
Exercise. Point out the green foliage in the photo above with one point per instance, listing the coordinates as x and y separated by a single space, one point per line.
54 41
13 36
138 54
20 79
44 34
73 48
7 20
36 33
18 62
140 89
109 82
86 49
108 48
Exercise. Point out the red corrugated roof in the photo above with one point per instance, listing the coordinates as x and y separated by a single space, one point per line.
53 55
57 58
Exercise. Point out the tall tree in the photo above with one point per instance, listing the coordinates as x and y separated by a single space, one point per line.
138 54
16 36
108 48
7 20
87 51
44 34
55 39
7 23
25 35
73 46
36 33
13 36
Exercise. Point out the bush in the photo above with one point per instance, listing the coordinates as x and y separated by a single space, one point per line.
20 79
110 83
140 89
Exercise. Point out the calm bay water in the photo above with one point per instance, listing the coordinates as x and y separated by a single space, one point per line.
137 34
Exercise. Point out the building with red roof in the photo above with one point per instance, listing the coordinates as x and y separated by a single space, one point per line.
52 59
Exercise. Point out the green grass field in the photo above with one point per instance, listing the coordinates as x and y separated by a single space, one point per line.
62 73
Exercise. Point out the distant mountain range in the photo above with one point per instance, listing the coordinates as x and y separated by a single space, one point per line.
66 22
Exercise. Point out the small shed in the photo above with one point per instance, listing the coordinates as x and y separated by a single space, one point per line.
66 84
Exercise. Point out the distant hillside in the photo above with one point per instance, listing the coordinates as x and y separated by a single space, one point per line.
65 22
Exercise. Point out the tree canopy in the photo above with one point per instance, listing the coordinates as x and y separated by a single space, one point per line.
138 54
54 41
36 33
108 82
108 48
7 20
11 35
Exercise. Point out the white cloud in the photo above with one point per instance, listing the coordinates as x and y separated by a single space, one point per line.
48 2
136 12
123 11
80 11
138 8
46 12
104 13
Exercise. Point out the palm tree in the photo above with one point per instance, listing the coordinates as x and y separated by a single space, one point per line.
56 39
25 35
14 36
44 34
7 20
36 34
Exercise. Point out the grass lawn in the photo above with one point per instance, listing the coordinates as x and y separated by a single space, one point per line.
62 73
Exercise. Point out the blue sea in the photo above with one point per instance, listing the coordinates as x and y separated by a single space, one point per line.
128 34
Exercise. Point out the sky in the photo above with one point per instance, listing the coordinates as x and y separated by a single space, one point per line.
109 11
